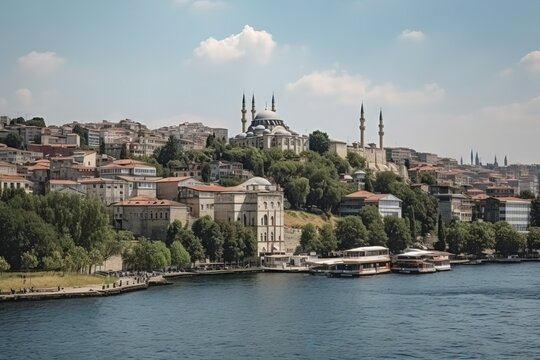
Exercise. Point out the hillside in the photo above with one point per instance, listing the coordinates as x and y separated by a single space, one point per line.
297 219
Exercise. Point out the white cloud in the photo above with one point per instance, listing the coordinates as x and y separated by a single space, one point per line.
202 5
249 42
41 63
411 36
24 97
352 89
531 61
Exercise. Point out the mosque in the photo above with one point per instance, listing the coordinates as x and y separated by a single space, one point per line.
267 130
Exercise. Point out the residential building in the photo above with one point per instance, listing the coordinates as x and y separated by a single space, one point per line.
17 156
168 188
500 191
515 211
126 167
7 168
15 182
148 217
387 204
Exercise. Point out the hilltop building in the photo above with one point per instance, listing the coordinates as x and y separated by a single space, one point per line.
268 130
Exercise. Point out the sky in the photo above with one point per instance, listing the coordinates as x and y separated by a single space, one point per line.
449 76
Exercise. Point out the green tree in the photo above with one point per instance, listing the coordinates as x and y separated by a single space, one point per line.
533 238
232 245
205 172
526 194
481 236
248 240
427 178
507 240
327 239
370 215
399 235
17 121
29 260
179 255
173 231
211 237
297 191
376 235
172 150
535 212
54 261
441 232
95 258
4 265
351 233
412 224
456 237
319 142
309 240
192 244
356 161
13 140
383 181
83 134
36 121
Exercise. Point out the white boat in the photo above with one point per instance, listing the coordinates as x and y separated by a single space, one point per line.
413 262
366 260
439 259
286 262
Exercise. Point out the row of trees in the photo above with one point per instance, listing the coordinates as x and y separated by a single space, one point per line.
227 242
475 237
353 231
54 232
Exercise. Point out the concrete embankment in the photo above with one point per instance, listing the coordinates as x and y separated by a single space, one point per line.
122 286
180 274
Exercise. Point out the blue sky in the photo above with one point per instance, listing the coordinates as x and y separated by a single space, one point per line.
449 76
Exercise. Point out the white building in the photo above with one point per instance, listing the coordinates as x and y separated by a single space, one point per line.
387 204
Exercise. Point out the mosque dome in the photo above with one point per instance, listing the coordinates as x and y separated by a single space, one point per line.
256 181
241 136
267 115
259 127
249 133
267 131
280 131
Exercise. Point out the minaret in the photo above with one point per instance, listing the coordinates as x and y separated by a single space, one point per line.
243 111
471 157
495 163
362 126
381 131
477 160
505 161
273 103
253 107
461 160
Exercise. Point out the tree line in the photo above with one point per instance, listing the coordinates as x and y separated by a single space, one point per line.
205 239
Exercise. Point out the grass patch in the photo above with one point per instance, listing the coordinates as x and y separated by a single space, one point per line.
297 219
49 279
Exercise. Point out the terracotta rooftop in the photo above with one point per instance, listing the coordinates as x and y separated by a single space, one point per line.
211 188
512 199
174 179
147 201
62 182
12 177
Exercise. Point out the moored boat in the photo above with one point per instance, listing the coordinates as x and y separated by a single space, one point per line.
286 262
512 259
366 260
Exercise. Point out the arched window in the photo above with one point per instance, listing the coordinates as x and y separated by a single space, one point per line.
245 220
272 236
265 237
272 204
265 220
265 205
272 220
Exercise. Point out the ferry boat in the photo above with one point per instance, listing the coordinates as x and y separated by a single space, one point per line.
366 260
281 262
413 262
511 259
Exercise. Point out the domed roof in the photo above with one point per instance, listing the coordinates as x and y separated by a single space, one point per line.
267 131
259 127
256 181
267 115
240 136
359 172
280 131
249 133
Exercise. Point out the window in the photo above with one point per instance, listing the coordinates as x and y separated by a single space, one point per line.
271 220
265 205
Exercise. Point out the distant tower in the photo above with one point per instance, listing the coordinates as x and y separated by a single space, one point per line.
461 162
253 107
381 131
362 125
495 163
472 157
273 103
505 161
477 160
243 111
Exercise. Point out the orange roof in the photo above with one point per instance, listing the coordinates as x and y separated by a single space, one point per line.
126 163
62 182
174 179
360 194
210 188
479 197
5 163
12 177
513 199
147 201
38 167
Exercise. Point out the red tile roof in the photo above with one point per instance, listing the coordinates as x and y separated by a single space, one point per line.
148 201
174 179
211 188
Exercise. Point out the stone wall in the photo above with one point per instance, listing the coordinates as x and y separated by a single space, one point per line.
292 238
